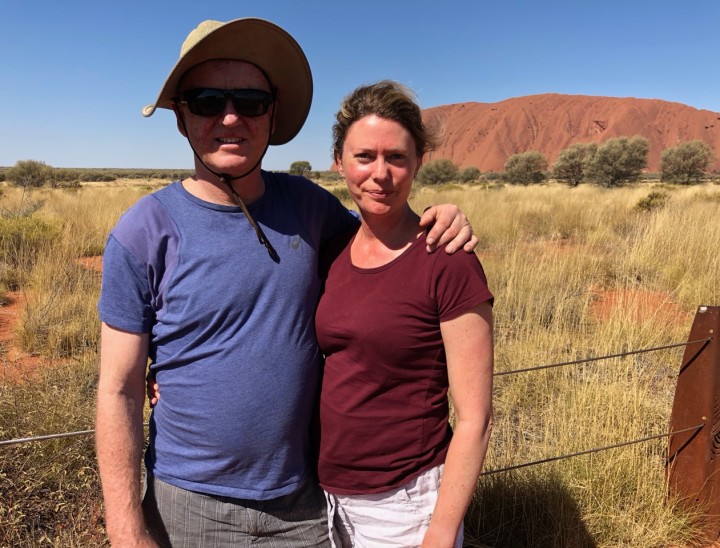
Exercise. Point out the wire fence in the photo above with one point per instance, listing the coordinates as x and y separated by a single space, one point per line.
46 437
41 438
695 428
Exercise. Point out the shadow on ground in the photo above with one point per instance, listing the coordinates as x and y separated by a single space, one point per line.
521 511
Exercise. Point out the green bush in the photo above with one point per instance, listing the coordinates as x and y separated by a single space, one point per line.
437 172
64 178
469 175
331 176
685 163
653 201
572 162
492 176
526 168
301 167
618 161
29 173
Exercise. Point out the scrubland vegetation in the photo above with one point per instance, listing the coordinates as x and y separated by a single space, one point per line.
553 254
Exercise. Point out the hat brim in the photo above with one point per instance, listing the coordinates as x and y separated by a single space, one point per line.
266 46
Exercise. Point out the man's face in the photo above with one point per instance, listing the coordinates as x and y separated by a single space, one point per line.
228 142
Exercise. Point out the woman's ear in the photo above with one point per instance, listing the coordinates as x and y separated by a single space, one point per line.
419 165
338 163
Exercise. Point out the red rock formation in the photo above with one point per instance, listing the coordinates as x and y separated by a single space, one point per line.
484 135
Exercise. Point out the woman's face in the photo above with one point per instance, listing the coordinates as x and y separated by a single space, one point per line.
379 162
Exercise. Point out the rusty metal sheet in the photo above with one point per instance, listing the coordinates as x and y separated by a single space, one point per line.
693 463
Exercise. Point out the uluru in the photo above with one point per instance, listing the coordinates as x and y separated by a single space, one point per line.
485 135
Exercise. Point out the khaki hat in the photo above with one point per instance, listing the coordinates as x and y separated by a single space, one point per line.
261 43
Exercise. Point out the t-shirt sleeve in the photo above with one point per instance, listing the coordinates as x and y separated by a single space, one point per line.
125 295
459 284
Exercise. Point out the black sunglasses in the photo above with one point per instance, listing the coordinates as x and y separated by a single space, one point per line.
211 101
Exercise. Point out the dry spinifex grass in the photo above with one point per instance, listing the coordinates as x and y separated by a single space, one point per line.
580 273
576 273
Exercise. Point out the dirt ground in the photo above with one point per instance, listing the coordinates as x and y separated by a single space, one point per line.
15 364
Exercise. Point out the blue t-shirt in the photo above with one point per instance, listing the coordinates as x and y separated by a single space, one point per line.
232 339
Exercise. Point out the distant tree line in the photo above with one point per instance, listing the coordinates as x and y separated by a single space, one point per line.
36 174
611 164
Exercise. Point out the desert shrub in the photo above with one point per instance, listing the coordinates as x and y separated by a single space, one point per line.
526 168
100 177
653 201
469 175
618 161
22 241
301 167
65 178
686 162
437 172
29 173
331 176
572 162
492 176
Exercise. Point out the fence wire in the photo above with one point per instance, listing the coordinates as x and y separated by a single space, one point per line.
697 428
598 358
496 374
50 437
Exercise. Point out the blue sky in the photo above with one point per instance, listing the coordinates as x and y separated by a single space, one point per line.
76 73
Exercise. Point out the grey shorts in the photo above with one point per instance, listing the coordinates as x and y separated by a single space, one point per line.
180 518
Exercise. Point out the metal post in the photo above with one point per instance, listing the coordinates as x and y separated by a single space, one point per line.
693 463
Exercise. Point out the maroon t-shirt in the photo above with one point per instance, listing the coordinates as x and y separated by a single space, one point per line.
384 408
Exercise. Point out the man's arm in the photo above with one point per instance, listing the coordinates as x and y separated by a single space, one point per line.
469 347
448 225
119 433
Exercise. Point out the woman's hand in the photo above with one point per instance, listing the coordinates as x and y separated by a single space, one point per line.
153 390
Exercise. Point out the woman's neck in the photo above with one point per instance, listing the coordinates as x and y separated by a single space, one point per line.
381 239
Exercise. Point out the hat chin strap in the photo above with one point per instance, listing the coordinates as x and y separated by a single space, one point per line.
228 179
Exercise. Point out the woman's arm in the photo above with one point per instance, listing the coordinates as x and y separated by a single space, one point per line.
469 349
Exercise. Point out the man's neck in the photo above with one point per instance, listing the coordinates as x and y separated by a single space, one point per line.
210 188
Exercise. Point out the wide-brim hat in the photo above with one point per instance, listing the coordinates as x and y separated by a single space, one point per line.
261 43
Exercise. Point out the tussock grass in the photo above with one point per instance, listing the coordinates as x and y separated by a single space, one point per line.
552 254
50 490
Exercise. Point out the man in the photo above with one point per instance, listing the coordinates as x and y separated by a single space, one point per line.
213 280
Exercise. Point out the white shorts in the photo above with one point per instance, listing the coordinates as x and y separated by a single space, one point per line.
394 518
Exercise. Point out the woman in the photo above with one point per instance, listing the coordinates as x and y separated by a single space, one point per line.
398 327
